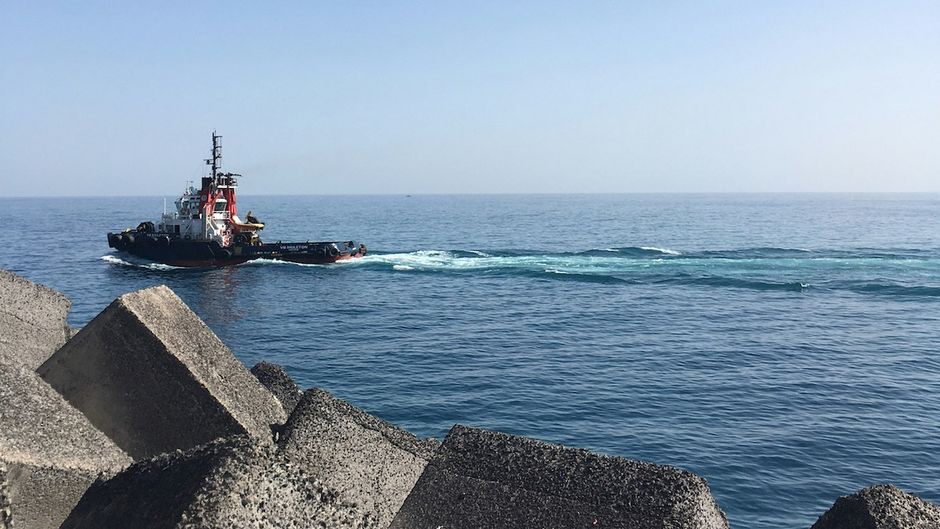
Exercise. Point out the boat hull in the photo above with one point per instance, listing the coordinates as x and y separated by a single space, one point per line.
176 251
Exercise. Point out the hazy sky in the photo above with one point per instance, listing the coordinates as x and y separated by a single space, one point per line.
113 98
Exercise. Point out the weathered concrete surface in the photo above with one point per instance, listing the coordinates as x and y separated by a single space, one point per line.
152 376
6 505
880 507
481 479
49 452
367 460
32 320
279 383
238 482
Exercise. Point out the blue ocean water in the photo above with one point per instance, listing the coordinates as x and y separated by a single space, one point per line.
782 346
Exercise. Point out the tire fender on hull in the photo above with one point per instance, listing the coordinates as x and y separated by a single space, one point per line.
218 252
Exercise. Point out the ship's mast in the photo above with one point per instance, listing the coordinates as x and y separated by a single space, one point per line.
216 160
218 181
210 182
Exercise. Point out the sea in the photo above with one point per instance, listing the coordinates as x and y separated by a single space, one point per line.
782 346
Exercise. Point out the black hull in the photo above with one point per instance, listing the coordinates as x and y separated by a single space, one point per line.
176 251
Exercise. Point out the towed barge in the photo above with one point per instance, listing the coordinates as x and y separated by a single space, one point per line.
206 231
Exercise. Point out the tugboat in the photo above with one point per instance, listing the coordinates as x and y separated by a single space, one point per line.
206 231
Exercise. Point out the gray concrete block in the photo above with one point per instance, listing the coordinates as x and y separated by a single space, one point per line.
32 320
153 377
489 480
368 461
880 507
49 452
279 383
235 482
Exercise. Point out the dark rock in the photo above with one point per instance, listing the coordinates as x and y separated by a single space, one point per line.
367 460
880 507
489 480
152 376
236 482
32 320
49 452
279 383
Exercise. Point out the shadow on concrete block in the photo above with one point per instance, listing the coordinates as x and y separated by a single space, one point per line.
153 377
880 507
32 321
279 383
480 479
49 452
235 482
368 461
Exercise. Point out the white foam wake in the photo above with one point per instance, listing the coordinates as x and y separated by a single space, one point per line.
112 259
444 261
666 251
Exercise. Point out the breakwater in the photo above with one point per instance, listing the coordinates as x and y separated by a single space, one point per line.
144 418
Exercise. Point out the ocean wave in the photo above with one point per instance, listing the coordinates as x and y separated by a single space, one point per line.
665 251
737 282
895 289
762 252
626 251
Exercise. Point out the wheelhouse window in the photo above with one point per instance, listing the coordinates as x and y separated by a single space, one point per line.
220 206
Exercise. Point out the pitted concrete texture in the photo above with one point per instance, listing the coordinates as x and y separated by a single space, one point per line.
880 507
368 461
235 482
279 383
43 496
153 377
50 452
6 505
32 320
480 479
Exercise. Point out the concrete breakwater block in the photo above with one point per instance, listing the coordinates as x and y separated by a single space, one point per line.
880 507
32 320
153 377
235 482
480 479
49 452
279 383
367 460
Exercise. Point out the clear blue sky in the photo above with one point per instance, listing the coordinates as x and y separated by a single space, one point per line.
117 98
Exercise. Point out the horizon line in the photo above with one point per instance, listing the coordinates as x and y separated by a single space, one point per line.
549 193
